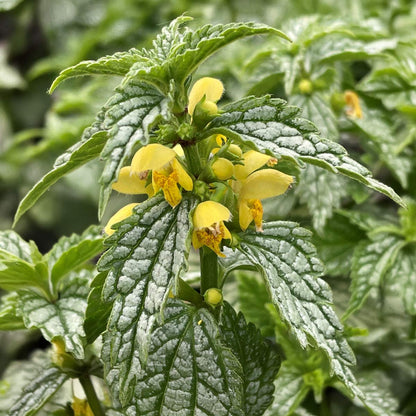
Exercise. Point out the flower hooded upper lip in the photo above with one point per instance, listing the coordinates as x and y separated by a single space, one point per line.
210 88
253 185
167 171
209 229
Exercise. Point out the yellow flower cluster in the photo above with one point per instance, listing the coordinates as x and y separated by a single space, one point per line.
249 175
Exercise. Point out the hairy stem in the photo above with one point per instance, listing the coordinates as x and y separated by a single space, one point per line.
92 397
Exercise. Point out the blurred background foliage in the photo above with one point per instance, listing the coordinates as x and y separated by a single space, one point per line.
366 46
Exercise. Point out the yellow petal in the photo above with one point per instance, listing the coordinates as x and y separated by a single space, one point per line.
169 185
211 88
252 161
265 184
353 102
119 216
250 210
129 182
220 139
179 150
211 237
244 214
183 178
223 169
152 157
208 213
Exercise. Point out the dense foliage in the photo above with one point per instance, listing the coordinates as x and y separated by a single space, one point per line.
277 141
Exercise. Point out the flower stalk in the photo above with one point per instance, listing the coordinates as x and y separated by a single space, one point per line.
91 394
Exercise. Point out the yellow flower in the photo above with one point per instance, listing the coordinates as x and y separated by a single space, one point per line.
253 185
167 171
260 185
81 407
209 229
211 89
353 103
130 183
119 216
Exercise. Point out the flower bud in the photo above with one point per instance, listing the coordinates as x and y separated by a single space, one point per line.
213 297
305 86
223 168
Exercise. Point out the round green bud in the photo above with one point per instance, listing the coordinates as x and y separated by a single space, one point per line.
305 86
213 297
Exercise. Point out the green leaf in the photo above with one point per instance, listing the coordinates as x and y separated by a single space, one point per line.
76 156
19 374
177 53
336 243
39 390
287 259
16 274
189 370
341 48
10 318
382 140
377 396
252 298
71 252
117 64
322 192
149 252
258 357
271 125
371 261
402 276
62 318
12 245
98 311
131 113
289 392
316 108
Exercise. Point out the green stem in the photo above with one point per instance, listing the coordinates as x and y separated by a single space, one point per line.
193 158
92 398
209 269
324 408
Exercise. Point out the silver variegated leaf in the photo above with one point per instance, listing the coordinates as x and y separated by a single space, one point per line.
177 52
62 318
259 359
372 259
131 112
269 124
402 277
322 192
44 384
189 371
12 245
287 259
316 108
149 252
117 64
290 390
